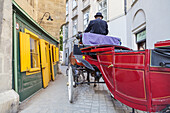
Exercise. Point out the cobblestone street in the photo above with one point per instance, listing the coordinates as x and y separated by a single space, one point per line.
87 99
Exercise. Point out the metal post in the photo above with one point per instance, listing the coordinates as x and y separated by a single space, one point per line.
125 7
15 52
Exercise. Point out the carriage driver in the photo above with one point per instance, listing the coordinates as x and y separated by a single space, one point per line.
98 25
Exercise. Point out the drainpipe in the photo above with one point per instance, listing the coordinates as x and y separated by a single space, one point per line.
125 7
15 52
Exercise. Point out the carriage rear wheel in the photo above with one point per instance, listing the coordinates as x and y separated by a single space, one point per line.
70 84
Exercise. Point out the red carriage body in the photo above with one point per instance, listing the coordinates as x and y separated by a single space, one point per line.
133 77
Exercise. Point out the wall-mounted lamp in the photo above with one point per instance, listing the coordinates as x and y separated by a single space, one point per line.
49 18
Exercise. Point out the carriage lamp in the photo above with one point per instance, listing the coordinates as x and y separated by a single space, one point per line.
49 17
83 57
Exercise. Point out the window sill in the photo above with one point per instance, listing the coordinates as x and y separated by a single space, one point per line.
33 72
86 7
134 3
74 16
34 69
74 7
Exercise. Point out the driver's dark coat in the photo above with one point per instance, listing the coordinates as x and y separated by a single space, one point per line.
97 26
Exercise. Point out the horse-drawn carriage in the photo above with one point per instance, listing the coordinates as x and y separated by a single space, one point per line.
139 79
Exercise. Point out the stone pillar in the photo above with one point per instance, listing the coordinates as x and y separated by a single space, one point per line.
9 99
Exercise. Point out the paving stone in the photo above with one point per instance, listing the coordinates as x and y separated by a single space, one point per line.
94 111
87 99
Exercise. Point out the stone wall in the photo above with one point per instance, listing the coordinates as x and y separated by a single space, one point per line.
9 99
29 7
37 8
1 10
57 10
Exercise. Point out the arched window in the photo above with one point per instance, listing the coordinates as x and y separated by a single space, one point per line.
139 29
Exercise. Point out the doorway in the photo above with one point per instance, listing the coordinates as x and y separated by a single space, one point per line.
67 56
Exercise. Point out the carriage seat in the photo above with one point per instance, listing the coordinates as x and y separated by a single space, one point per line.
97 39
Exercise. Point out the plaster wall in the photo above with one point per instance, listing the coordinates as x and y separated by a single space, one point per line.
115 8
157 21
117 28
70 24
80 16
93 9
129 4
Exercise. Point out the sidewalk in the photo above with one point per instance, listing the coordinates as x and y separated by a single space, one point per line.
87 99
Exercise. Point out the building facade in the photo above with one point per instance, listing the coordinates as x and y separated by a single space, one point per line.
78 15
24 45
80 12
138 23
147 23
9 99
37 8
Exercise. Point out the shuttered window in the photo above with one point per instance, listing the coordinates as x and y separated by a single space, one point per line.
34 53
43 53
54 53
103 8
29 52
57 54
24 52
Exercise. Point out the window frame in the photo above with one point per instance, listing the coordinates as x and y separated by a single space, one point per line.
74 4
57 54
75 26
67 7
66 31
53 55
84 19
139 33
141 43
102 9
35 37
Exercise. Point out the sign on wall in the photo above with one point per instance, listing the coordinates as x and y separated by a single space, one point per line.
141 36
17 26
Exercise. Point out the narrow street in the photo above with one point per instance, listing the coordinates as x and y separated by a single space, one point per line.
87 99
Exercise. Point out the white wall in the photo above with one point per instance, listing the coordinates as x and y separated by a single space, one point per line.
157 21
115 8
117 28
